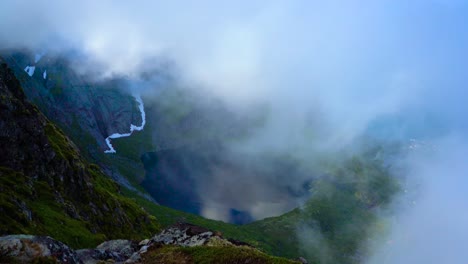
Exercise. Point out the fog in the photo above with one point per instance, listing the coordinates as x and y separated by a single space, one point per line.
431 226
325 72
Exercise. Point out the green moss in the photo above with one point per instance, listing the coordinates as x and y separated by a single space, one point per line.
60 142
54 222
113 215
341 211
108 195
273 235
13 190
50 218
210 255
57 90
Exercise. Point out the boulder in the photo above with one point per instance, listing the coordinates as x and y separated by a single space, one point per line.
28 248
183 234
122 247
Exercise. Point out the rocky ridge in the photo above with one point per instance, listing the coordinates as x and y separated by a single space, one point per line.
27 248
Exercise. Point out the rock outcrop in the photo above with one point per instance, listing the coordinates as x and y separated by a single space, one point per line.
26 248
184 235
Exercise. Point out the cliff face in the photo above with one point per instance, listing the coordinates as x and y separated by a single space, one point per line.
87 110
46 187
66 97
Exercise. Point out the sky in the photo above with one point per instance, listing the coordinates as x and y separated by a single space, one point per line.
342 64
375 57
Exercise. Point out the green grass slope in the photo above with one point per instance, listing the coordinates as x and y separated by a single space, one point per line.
331 227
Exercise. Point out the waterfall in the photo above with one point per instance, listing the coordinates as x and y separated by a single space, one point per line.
132 126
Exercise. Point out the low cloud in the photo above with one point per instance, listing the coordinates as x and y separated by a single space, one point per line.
430 224
319 74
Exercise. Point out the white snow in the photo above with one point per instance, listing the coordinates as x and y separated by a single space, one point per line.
132 126
44 74
38 57
30 70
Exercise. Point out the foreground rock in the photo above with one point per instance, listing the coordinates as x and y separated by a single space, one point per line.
180 234
113 250
27 248
180 243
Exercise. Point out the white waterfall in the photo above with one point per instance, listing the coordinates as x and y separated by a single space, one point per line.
132 126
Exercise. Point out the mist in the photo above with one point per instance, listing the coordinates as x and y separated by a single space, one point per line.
431 224
318 77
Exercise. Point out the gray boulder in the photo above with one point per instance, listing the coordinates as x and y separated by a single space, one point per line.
27 248
122 247
183 234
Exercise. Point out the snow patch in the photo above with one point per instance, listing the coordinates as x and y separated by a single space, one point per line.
44 74
30 70
132 126
38 57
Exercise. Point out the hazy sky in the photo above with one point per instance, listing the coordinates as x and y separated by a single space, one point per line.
373 57
341 63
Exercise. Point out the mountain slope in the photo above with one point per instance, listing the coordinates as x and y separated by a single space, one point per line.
331 227
46 187
354 191
87 113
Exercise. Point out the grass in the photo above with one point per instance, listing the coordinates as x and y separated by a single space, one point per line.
341 209
210 255
272 235
341 212
52 221
70 200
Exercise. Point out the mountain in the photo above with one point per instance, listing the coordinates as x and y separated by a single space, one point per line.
47 187
86 113
180 243
58 192
191 131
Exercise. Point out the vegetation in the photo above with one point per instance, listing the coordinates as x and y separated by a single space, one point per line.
210 255
329 228
47 188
